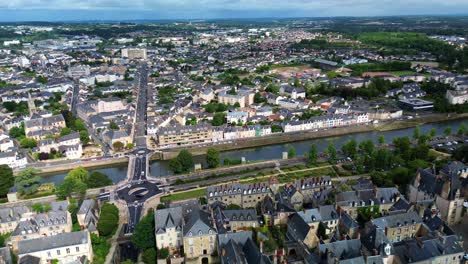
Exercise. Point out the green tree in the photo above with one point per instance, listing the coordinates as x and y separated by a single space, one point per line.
84 137
70 186
186 160
37 207
350 148
17 132
218 119
381 139
118 146
312 156
448 131
7 179
98 179
113 126
108 220
65 131
332 155
462 129
403 147
432 133
291 152
27 181
416 132
130 146
163 253
143 236
79 173
28 143
367 146
212 158
175 166
149 256
322 231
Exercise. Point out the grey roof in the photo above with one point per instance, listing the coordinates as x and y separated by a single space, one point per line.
413 251
28 259
348 221
197 222
10 214
328 212
5 256
239 248
375 239
397 220
297 228
33 224
356 260
168 218
51 242
310 215
344 249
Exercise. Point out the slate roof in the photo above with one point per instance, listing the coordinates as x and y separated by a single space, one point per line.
343 249
168 218
310 215
28 259
11 214
51 242
297 228
397 220
328 212
197 222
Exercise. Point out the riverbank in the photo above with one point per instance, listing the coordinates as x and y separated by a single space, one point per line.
95 164
308 135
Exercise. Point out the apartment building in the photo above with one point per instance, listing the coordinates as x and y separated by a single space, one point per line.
199 237
168 228
39 127
244 195
184 135
399 227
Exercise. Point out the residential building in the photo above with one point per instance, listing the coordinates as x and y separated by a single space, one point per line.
457 97
399 227
10 217
235 220
39 127
199 237
88 215
134 53
65 248
244 195
168 228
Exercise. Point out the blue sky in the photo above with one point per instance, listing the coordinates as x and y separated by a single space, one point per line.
66 10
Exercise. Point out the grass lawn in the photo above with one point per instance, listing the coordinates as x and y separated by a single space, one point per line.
184 195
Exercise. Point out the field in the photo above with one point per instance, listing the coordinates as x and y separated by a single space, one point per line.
184 195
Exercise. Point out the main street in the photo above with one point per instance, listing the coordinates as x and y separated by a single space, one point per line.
138 189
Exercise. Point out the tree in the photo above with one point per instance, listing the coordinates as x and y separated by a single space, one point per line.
28 143
381 139
403 147
462 129
163 253
79 173
149 256
218 119
118 146
98 179
291 153
17 132
367 146
113 126
143 235
108 220
84 137
432 133
70 186
65 131
332 156
27 181
212 158
350 148
130 146
447 131
312 155
175 166
186 160
7 179
416 132
322 231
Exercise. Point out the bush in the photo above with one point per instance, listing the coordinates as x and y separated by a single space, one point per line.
109 220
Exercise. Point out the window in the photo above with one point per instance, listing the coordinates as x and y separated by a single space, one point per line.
58 252
48 254
77 249
68 250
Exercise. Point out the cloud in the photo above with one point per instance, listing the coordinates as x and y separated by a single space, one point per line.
235 8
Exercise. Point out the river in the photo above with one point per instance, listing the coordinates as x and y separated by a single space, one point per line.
158 168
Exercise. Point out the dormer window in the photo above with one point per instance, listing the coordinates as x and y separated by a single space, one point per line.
190 234
200 233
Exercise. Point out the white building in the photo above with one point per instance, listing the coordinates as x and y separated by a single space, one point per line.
134 53
65 248
13 159
457 97
168 228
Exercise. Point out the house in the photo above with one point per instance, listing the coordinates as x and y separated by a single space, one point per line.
340 251
10 217
236 117
199 237
240 248
244 195
168 228
39 127
329 217
300 231
235 220
65 248
293 92
399 227
5 256
13 159
88 215
457 97
444 189
113 136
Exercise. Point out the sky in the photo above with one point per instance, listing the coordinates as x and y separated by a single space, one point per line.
74 10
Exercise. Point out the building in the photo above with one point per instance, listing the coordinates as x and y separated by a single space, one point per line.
240 248
134 53
65 248
457 97
244 195
300 231
444 189
199 237
235 220
168 228
10 217
416 104
236 117
242 97
88 215
13 159
184 135
40 127
293 92
399 227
